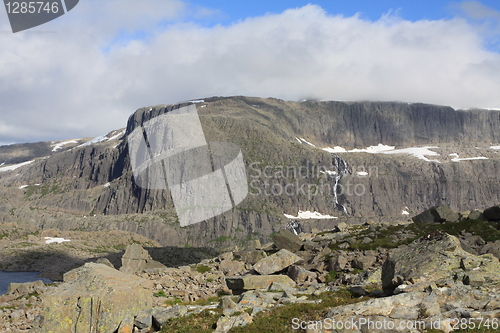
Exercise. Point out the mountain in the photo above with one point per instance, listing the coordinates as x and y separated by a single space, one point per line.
341 161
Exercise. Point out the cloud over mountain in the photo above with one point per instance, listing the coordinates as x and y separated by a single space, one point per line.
84 73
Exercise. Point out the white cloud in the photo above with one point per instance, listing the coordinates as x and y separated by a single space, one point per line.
103 61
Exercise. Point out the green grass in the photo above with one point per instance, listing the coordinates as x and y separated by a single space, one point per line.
161 293
276 320
489 231
279 320
202 269
220 239
203 322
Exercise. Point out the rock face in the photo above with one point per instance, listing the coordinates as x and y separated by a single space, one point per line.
97 179
438 258
137 259
94 298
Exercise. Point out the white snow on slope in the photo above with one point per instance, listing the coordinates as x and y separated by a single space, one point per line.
495 147
335 150
114 137
329 172
380 148
97 139
61 144
302 140
15 166
49 240
418 152
456 159
23 186
306 215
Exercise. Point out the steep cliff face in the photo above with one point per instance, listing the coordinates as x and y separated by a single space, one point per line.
287 169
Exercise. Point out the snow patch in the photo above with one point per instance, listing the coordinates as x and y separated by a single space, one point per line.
418 152
456 159
302 140
495 147
335 150
23 186
49 240
15 166
329 172
197 101
114 137
61 144
405 212
97 139
380 148
362 173
306 215
107 184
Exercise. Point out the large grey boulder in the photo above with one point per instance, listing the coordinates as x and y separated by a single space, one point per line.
276 262
285 239
137 259
438 257
94 298
437 214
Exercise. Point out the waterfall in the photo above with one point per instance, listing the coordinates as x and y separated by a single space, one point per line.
342 169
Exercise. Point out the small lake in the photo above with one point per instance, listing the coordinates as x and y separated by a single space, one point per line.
20 277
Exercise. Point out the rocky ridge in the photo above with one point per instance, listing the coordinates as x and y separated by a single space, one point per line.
90 186
428 271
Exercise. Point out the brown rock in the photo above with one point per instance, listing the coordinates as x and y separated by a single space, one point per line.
137 259
285 239
97 296
276 262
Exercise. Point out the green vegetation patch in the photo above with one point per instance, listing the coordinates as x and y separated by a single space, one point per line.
384 237
204 322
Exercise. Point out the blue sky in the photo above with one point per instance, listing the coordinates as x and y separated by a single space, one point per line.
233 11
84 73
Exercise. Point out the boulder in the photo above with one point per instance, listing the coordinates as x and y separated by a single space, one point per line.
94 298
476 215
492 213
252 257
285 239
492 247
337 263
437 214
341 227
225 323
438 257
364 262
136 259
250 282
276 262
231 266
26 288
297 273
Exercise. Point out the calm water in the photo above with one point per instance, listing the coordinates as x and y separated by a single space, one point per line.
7 277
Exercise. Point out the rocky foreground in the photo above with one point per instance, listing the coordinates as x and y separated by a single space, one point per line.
441 271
